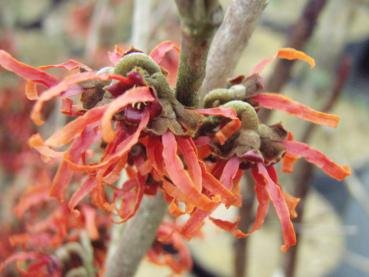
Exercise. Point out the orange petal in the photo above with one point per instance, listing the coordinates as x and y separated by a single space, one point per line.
293 54
283 53
317 158
136 94
26 71
178 175
276 196
74 128
280 102
31 90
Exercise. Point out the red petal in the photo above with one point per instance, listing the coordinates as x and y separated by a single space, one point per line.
229 172
68 65
137 94
276 196
74 128
122 148
279 102
317 158
166 54
36 142
219 111
216 187
179 176
81 193
194 223
56 90
90 221
188 151
227 131
25 71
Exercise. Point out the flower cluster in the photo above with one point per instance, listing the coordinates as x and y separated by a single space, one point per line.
127 119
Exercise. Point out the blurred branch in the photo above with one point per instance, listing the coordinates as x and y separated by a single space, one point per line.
93 36
229 42
199 21
141 25
305 171
138 236
299 36
246 218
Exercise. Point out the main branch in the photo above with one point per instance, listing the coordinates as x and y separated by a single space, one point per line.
138 236
229 42
199 20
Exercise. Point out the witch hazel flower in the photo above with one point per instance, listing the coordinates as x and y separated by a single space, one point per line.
125 117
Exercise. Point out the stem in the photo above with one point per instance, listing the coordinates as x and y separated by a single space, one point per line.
199 20
305 171
246 216
139 234
300 35
229 42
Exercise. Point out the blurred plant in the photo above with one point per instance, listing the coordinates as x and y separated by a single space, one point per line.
129 118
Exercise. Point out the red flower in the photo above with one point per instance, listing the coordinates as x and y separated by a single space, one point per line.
196 157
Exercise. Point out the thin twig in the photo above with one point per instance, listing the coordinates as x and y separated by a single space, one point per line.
199 20
137 238
305 171
300 35
246 216
93 37
229 42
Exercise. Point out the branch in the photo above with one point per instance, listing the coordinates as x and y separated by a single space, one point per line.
141 25
246 217
199 20
139 234
300 35
229 42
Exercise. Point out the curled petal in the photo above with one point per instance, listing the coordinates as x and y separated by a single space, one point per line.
178 175
188 151
194 223
74 128
213 185
90 221
166 54
279 102
116 55
56 90
230 172
293 54
276 196
121 150
36 142
81 192
284 53
68 65
137 94
25 71
317 158
31 90
219 111
227 131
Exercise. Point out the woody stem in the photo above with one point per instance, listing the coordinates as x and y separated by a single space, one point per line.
199 20
137 238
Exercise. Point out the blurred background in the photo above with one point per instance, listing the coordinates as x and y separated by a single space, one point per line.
334 230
